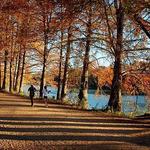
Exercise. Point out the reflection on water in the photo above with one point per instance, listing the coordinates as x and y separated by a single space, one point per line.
137 104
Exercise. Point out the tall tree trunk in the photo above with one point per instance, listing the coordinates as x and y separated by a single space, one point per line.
18 70
115 96
43 76
65 75
45 54
10 65
60 67
83 92
5 70
10 76
60 59
22 70
0 75
15 72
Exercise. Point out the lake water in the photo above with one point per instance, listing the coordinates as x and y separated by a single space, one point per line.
130 104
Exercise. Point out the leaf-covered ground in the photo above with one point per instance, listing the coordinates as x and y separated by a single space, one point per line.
23 127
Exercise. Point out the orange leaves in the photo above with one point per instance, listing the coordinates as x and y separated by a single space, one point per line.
137 31
19 2
137 79
136 83
146 83
104 74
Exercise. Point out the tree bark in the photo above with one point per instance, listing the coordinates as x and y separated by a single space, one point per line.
65 75
60 68
22 70
115 96
15 72
45 54
10 76
0 75
5 70
139 22
10 65
43 76
18 70
83 92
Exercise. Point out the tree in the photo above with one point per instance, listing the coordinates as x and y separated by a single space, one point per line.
46 19
115 96
83 92
138 11
69 16
65 76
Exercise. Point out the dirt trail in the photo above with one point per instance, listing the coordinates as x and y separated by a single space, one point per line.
23 127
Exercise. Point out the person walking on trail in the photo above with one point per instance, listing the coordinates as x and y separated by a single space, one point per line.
32 90
45 95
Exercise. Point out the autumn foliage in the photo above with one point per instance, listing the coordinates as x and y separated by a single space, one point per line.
70 44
